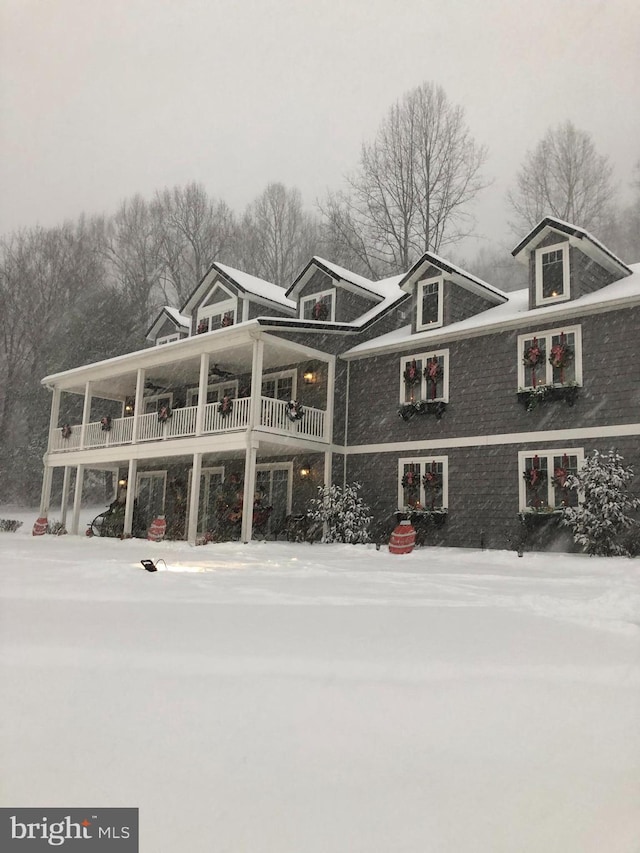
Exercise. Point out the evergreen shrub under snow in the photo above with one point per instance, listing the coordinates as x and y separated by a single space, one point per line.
9 525
345 514
601 521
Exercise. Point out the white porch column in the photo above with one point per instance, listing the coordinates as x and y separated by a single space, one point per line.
55 414
331 384
137 404
328 460
256 384
64 503
131 496
249 491
77 500
86 413
194 497
45 495
202 392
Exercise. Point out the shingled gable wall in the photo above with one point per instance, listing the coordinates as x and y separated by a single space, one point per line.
458 302
349 305
585 274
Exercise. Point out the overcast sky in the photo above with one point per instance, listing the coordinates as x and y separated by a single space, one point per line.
101 99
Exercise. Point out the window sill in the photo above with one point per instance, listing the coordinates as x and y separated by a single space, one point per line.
422 407
422 516
548 393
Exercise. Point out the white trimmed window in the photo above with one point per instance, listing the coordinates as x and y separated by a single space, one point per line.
423 483
425 377
155 402
218 311
319 306
552 274
215 392
552 357
166 339
543 475
280 386
430 300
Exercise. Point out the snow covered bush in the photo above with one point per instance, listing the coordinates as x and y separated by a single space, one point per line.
344 513
601 519
9 525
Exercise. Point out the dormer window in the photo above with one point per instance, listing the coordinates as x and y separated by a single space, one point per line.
429 304
319 306
217 312
552 274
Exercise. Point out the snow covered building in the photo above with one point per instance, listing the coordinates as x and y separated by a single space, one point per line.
445 397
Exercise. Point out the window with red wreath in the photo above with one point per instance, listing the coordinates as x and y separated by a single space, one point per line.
551 357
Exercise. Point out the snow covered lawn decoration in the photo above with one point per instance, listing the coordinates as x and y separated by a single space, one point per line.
295 411
343 513
602 518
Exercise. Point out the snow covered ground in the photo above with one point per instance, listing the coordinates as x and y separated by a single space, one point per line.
280 698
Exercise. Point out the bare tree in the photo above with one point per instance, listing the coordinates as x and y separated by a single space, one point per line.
132 247
622 232
194 230
412 188
277 235
564 176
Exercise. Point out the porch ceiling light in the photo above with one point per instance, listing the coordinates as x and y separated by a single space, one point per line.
309 375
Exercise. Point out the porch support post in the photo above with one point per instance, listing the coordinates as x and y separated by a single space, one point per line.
194 497
55 414
202 392
86 414
138 404
64 503
328 460
131 496
45 495
256 383
77 500
331 384
249 491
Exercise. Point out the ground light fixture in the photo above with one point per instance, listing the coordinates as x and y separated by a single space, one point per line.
150 566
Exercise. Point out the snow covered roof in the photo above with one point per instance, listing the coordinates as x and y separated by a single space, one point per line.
513 313
338 273
460 276
264 290
579 236
167 312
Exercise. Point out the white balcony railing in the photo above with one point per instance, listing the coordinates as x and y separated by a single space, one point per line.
182 423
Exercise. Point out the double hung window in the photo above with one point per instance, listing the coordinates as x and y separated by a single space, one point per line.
429 304
320 306
215 393
423 484
551 357
552 274
279 386
425 377
219 310
543 478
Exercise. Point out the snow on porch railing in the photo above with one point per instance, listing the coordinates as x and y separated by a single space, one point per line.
237 418
274 415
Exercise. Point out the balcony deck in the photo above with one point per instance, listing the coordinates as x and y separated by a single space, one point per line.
274 418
